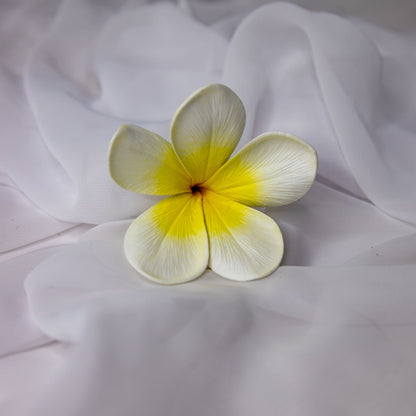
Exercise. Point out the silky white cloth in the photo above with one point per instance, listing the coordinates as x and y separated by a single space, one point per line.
330 332
315 75
305 341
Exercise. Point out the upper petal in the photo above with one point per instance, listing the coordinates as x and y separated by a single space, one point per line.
143 162
244 243
168 243
206 129
273 169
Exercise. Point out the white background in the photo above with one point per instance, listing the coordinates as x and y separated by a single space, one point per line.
331 332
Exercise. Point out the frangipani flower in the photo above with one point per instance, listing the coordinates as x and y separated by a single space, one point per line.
208 219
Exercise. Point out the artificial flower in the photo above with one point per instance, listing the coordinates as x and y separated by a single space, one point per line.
208 219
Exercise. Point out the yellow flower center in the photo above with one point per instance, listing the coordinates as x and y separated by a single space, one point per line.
195 189
199 188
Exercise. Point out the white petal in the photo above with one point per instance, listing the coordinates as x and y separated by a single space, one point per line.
168 243
273 169
206 129
143 162
244 243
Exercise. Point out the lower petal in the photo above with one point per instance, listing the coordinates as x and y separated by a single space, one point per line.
244 243
168 243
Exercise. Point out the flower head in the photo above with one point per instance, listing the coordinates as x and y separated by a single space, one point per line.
207 220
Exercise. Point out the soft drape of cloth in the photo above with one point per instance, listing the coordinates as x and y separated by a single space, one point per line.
331 332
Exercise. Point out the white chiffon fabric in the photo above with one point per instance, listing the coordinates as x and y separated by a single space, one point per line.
331 332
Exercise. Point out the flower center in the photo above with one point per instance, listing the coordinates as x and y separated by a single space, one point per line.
196 188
